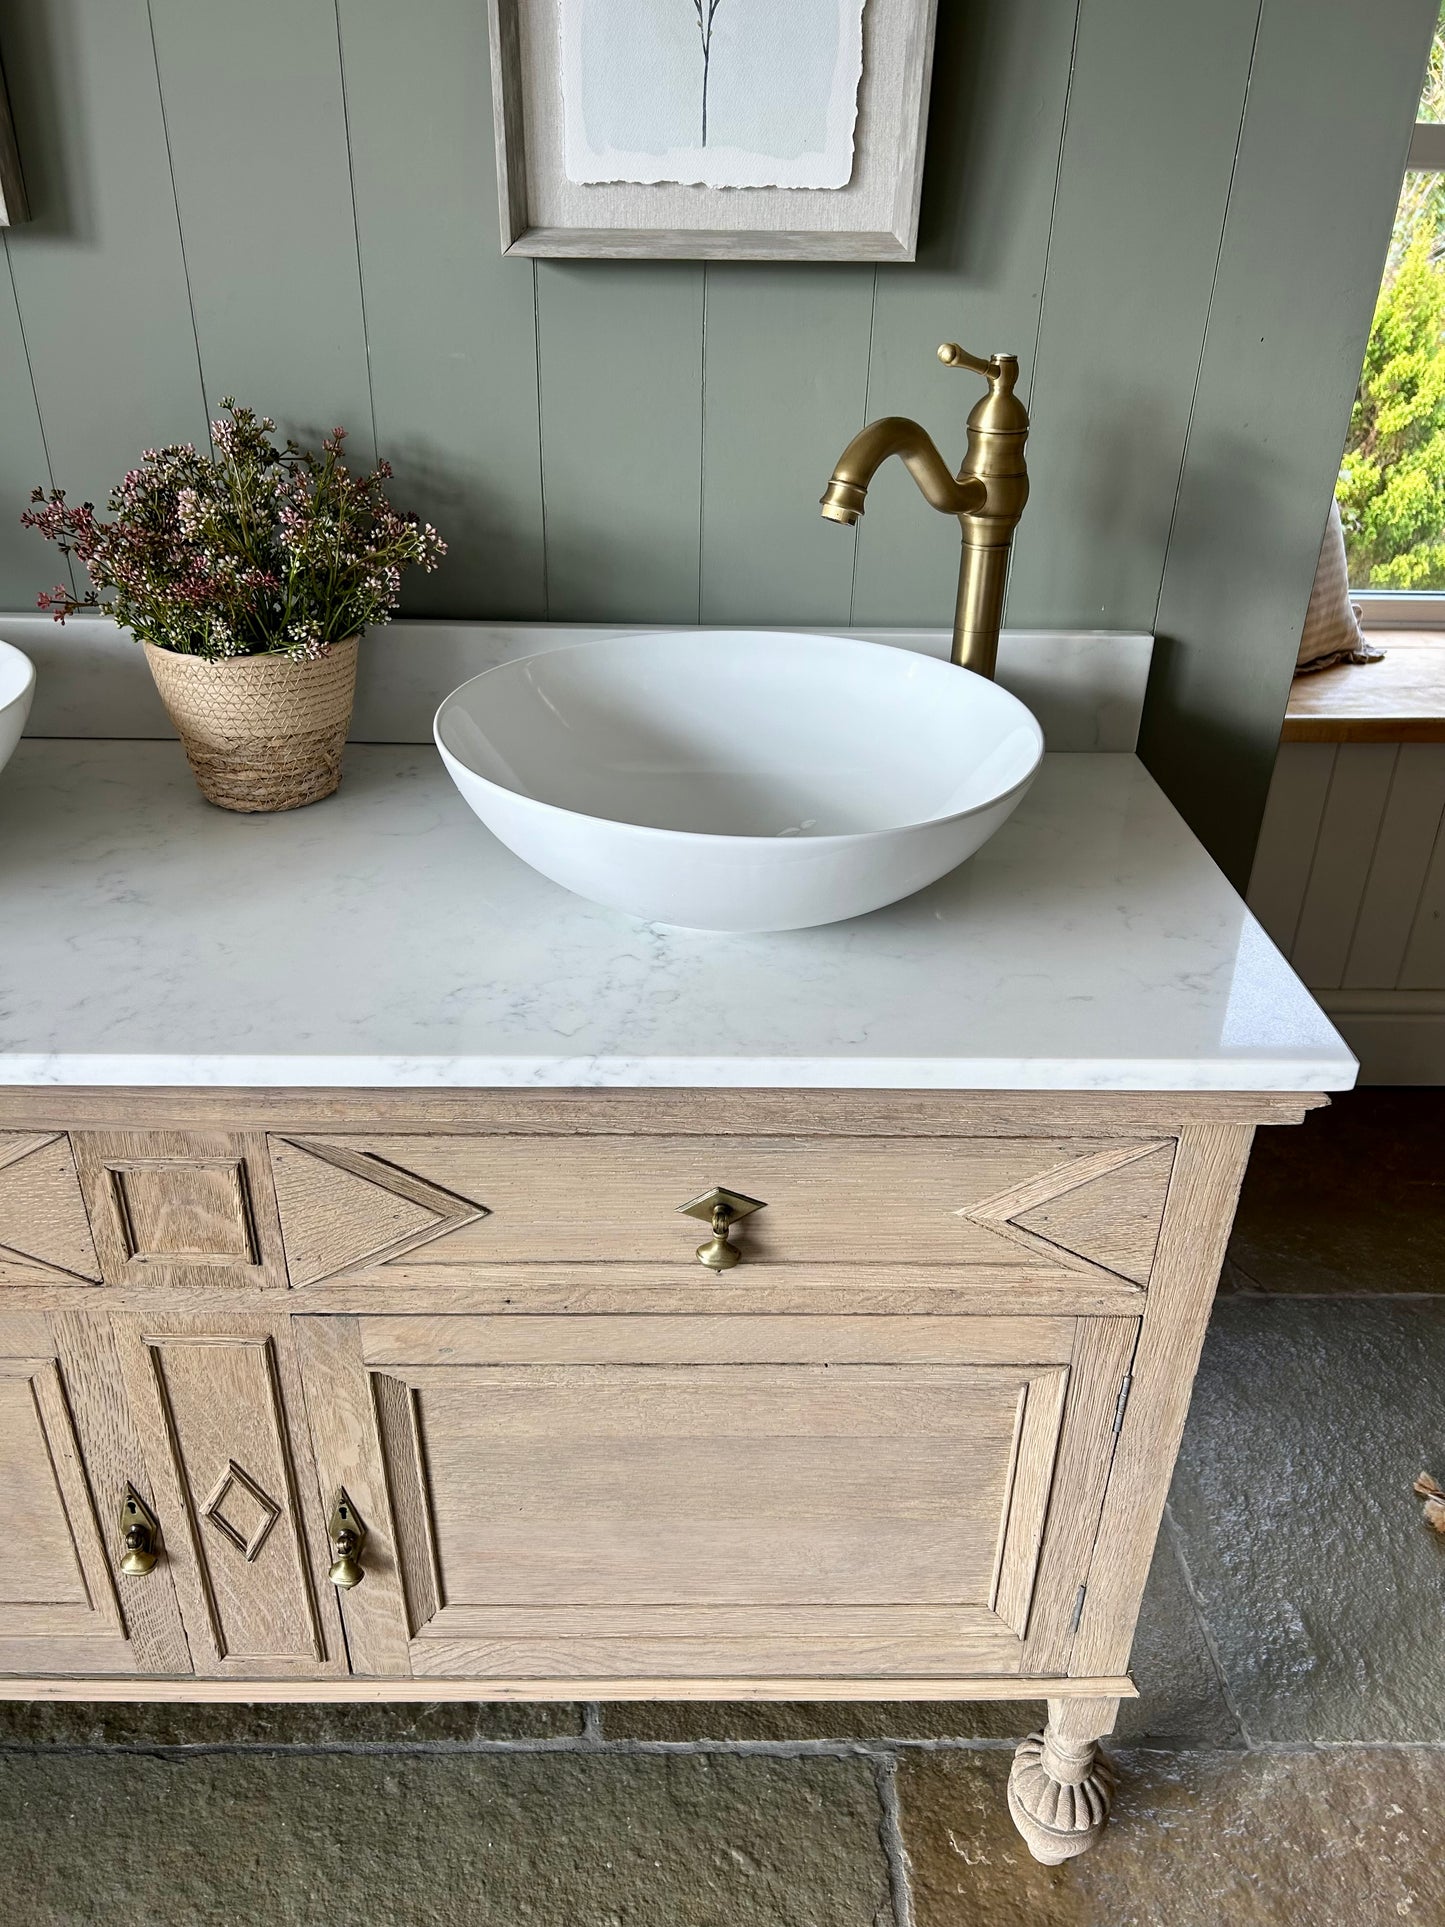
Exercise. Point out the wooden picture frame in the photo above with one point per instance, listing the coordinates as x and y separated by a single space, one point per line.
873 218
13 204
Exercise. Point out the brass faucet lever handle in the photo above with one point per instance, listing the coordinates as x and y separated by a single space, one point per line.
952 356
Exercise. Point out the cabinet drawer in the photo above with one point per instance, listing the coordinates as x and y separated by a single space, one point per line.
1067 1208
732 1497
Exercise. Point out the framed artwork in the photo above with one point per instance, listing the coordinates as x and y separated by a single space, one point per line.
745 130
13 205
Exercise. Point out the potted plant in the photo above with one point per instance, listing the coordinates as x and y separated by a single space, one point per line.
248 576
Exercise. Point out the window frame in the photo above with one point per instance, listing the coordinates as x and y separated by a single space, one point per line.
1410 608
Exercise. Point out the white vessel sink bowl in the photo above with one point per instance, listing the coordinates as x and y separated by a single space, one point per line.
738 780
17 686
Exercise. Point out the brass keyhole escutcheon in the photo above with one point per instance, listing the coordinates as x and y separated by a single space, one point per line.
721 1209
138 1534
347 1535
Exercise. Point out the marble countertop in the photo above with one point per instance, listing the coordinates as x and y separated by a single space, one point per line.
384 938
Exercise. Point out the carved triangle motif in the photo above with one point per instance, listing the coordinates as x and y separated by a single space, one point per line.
1096 1213
343 1208
42 1213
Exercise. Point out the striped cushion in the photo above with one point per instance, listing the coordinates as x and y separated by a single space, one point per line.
1332 631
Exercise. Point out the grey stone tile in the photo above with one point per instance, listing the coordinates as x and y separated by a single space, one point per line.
457 1840
442 1723
1181 1700
1351 1200
1324 1591
1345 1838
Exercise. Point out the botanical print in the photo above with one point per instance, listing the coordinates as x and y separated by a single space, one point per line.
711 93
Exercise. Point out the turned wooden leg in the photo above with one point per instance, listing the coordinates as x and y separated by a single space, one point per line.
1061 1786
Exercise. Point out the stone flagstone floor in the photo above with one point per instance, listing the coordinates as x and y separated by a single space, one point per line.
1285 1763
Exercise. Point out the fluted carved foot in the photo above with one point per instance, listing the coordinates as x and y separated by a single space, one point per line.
1059 1796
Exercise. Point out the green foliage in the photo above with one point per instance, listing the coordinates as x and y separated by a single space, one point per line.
1391 489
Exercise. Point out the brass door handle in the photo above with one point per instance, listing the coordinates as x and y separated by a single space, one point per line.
721 1209
139 1533
347 1535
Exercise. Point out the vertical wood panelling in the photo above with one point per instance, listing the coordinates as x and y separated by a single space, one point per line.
785 383
1331 100
1402 858
1287 837
1130 265
450 324
99 275
26 565
621 383
1423 966
1348 833
1001 73
257 132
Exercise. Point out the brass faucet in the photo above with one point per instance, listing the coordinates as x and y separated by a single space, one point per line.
988 495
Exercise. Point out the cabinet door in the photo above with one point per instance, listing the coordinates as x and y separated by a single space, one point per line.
716 1498
219 1408
67 1456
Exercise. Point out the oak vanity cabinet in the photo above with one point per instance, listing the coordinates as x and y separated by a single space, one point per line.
439 1395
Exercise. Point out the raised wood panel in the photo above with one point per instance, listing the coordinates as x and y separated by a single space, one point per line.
58 1597
44 1234
220 1410
549 1493
500 1200
190 1210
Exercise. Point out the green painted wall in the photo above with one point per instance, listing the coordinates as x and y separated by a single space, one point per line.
1176 213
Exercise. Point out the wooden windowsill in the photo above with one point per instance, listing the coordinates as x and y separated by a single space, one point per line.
1399 700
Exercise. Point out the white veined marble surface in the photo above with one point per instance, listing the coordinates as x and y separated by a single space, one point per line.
384 938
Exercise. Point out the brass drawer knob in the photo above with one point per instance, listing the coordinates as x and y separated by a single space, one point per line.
721 1209
348 1536
138 1534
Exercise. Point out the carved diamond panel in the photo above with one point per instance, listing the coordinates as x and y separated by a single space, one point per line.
240 1510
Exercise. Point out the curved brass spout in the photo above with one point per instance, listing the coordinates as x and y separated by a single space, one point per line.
870 449
987 496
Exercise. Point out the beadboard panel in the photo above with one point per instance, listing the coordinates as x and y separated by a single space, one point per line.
1115 367
1001 84
785 382
1349 880
646 443
619 349
100 278
463 441
274 281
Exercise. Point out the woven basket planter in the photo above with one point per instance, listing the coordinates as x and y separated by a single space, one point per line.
260 732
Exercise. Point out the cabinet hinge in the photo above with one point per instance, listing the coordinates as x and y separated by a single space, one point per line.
1121 1407
1078 1608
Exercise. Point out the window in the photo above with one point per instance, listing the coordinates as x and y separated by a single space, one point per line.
1391 489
